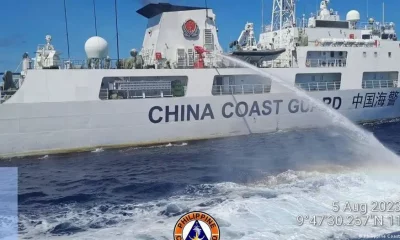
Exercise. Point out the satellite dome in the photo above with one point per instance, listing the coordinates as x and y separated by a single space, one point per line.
353 16
96 47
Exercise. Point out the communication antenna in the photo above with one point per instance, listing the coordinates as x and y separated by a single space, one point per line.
94 13
116 28
262 16
383 13
367 9
283 12
66 26
205 23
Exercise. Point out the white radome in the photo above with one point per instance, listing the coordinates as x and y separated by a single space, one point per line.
353 16
96 47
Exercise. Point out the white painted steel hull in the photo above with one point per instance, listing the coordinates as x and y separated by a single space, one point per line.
42 128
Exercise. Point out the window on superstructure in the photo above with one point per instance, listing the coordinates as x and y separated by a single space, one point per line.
325 81
366 36
138 87
390 54
375 54
240 84
365 54
380 79
326 59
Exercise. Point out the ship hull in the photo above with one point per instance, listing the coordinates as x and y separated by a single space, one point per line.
45 128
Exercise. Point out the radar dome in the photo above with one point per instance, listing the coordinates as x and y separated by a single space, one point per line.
96 47
353 16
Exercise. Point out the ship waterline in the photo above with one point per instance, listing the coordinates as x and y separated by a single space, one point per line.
57 127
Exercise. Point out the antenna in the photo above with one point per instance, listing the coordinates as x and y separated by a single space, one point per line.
283 13
66 26
116 28
367 9
383 13
94 13
205 2
262 16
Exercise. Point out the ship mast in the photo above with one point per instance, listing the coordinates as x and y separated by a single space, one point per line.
283 14
66 27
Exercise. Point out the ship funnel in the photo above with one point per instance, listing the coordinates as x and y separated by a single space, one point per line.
174 31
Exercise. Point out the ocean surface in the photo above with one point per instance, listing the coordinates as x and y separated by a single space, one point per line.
255 186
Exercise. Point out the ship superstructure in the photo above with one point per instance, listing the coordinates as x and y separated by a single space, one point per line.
178 86
326 41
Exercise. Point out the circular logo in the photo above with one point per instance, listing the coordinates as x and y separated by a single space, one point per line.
190 28
196 226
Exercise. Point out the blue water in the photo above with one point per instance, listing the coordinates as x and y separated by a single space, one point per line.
254 186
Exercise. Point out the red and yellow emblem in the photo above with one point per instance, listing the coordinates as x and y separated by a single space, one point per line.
190 29
196 226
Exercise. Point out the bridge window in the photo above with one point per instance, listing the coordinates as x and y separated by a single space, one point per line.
142 87
389 54
318 81
240 84
322 59
366 36
380 79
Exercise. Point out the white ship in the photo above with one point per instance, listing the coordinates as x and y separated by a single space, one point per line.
177 88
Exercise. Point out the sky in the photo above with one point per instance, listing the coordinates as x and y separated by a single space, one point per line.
26 22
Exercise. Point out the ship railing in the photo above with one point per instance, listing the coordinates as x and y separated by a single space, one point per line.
326 63
379 83
132 91
277 63
86 64
104 93
135 94
319 86
210 62
377 26
241 89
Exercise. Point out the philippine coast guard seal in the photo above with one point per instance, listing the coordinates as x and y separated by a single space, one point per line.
196 226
